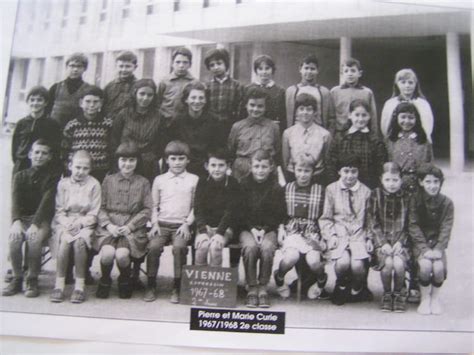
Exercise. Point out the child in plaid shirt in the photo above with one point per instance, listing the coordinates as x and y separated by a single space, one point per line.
343 225
360 141
388 224
302 239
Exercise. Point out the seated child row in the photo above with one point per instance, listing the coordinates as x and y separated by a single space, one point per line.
407 143
345 222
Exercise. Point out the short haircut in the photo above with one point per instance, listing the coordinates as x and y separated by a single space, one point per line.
217 54
348 160
93 91
306 100
43 142
391 168
359 103
255 93
429 169
127 56
305 160
78 57
38 91
311 58
351 62
184 52
194 85
394 128
219 153
262 154
81 154
127 149
177 148
264 59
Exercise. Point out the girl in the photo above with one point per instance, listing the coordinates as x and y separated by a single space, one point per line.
77 206
126 208
142 124
431 216
304 205
358 140
197 127
407 144
388 224
406 88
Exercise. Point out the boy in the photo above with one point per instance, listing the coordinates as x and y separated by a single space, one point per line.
65 95
263 206
32 211
172 216
344 229
225 93
37 125
305 137
350 90
253 133
216 209
118 93
90 131
77 207
309 70
264 68
170 88
303 246
431 216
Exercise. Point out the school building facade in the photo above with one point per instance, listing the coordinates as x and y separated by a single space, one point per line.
384 35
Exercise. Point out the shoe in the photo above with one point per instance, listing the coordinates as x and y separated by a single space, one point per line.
263 300
8 276
70 278
325 295
137 285
32 289
414 296
314 291
14 287
436 307
340 296
252 300
150 294
124 290
386 305
399 302
57 296
364 295
174 296
78 296
89 279
103 289
282 288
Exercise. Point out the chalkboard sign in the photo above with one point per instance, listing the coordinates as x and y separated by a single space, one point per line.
209 286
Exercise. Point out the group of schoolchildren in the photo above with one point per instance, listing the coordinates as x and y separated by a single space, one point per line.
309 170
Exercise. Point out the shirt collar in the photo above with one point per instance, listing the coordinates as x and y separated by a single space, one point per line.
188 76
302 84
122 177
348 86
80 183
310 129
255 121
225 181
412 135
176 176
221 81
399 193
352 130
353 188
268 85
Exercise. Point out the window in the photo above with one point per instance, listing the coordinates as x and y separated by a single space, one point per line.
238 1
41 66
148 62
151 7
103 11
47 14
25 64
83 16
126 9
175 5
59 68
32 15
205 3
65 13
99 61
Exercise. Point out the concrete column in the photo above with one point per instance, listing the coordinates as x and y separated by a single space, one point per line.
162 63
345 50
456 111
195 70
258 49
49 72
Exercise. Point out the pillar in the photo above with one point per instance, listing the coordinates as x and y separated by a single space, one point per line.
195 70
345 49
456 111
162 63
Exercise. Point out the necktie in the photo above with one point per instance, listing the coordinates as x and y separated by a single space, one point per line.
349 198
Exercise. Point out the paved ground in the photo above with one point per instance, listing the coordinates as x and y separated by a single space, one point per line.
457 292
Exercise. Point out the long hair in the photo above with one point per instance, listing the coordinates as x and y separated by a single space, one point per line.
149 83
405 74
394 128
